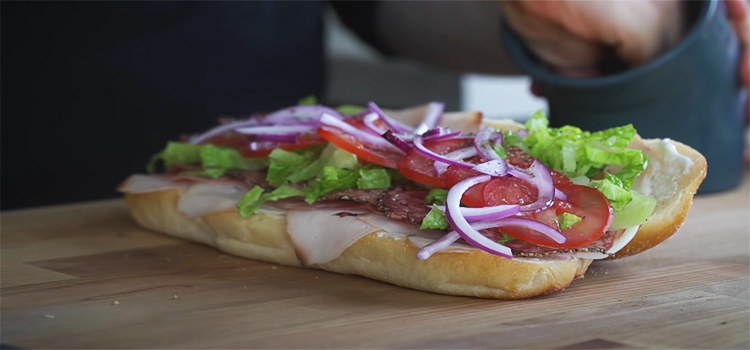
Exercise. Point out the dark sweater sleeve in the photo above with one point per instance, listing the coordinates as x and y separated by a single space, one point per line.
361 17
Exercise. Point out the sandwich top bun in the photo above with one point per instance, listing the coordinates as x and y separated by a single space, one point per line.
673 175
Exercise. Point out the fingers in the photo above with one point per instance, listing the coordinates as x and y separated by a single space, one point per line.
739 16
567 53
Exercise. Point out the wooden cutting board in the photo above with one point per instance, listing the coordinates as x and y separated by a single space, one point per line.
84 276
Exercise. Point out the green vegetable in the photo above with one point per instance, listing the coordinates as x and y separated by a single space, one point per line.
373 177
215 160
349 109
567 220
435 219
634 213
254 199
436 196
576 153
293 166
338 158
505 238
329 180
614 189
309 100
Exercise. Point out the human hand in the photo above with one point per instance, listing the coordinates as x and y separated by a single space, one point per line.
574 37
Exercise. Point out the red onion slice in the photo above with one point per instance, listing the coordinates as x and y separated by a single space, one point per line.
456 155
484 140
488 213
329 120
222 129
264 145
541 178
391 137
394 124
495 167
419 146
431 119
369 121
274 129
462 227
537 226
446 136
560 195
300 114
440 244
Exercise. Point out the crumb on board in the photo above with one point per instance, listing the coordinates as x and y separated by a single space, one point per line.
273 267
173 297
116 302
49 316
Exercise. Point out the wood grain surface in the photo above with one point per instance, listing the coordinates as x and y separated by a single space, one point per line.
85 276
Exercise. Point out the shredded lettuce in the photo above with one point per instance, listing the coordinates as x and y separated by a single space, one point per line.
371 177
506 237
255 198
567 220
435 219
293 166
436 196
215 160
575 152
614 189
349 109
634 213
309 100
330 180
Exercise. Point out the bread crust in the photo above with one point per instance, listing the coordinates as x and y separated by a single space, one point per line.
384 257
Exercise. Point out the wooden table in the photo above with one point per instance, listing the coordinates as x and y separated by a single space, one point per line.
84 276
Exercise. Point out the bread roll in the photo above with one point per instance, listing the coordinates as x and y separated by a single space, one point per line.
673 175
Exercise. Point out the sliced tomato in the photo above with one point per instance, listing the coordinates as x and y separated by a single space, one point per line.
521 159
366 152
416 167
585 202
242 142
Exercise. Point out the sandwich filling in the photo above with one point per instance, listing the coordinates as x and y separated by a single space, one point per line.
436 178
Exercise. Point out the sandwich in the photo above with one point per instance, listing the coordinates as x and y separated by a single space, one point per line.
449 203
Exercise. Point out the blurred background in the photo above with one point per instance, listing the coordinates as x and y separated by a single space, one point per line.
91 90
359 74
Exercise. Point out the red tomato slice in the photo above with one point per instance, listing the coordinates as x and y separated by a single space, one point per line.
585 202
369 153
419 168
521 159
242 142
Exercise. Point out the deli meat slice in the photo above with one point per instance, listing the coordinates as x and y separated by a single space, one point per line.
524 249
403 203
320 236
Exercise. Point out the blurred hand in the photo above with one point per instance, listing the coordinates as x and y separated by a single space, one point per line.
574 36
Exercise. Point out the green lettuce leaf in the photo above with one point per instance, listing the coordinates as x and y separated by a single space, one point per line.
371 177
309 100
436 196
506 237
634 213
614 189
575 152
293 166
329 180
255 198
215 160
567 220
435 219
349 109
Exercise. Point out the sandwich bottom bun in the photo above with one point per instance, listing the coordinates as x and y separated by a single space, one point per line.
672 177
263 237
